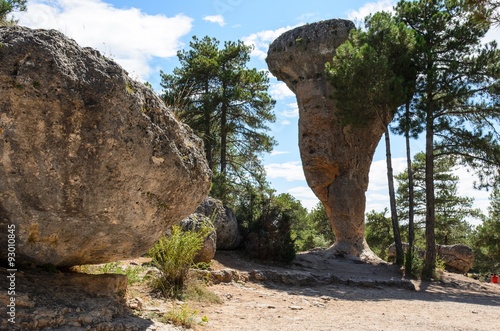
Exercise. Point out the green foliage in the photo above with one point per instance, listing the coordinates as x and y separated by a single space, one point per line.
228 106
456 93
314 231
197 290
306 230
173 256
266 225
487 11
378 232
451 209
486 239
380 58
417 264
184 316
9 6
133 273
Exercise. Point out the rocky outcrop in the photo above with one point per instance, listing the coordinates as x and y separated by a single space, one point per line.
226 225
57 300
336 158
457 258
93 167
195 222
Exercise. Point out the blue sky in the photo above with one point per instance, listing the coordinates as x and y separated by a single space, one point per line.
144 36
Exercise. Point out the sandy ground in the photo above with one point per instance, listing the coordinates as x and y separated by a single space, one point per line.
317 292
454 303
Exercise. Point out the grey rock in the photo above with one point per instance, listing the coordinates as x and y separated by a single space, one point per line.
457 258
195 222
336 158
93 166
226 225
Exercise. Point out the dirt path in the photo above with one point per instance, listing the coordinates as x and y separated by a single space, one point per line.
318 292
455 303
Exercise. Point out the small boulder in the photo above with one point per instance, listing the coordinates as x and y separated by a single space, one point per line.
457 258
226 225
195 222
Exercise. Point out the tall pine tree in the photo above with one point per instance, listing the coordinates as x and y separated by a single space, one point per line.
457 92
228 106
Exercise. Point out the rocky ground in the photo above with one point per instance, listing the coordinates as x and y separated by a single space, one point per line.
316 293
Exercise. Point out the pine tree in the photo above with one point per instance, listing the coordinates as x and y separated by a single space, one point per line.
457 93
9 6
486 240
228 106
452 210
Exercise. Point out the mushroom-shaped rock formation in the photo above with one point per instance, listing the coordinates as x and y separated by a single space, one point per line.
336 158
93 167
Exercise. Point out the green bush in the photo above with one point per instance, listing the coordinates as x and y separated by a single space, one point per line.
134 274
269 237
173 256
184 316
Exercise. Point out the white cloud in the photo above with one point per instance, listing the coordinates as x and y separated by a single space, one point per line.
274 153
359 15
377 196
262 39
280 91
219 19
129 36
305 195
290 171
292 112
378 173
309 17
493 34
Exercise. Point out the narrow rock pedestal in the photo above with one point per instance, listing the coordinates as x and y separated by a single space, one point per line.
336 158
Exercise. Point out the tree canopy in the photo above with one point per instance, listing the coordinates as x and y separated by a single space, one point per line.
228 106
456 95
9 6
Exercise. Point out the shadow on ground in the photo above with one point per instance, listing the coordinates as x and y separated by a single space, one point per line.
72 301
319 273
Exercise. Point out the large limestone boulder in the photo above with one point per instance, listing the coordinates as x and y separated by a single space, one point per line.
93 167
336 158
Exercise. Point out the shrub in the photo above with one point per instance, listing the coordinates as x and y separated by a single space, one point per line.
183 316
269 237
134 274
173 256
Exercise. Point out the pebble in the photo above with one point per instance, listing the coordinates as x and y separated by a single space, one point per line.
295 307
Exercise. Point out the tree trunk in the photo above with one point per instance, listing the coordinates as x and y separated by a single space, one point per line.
430 241
392 198
411 203
207 114
223 149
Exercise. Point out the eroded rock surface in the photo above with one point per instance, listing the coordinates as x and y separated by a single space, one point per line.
93 167
336 158
225 223
457 258
195 222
